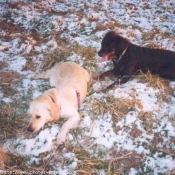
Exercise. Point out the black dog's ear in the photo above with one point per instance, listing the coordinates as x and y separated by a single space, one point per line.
118 40
122 44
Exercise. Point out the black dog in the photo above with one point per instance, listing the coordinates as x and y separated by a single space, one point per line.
129 58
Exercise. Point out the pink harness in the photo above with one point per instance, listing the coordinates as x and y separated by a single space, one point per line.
78 99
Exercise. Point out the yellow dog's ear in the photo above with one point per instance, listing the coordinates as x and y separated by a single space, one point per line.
55 111
55 108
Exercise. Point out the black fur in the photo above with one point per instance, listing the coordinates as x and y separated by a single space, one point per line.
128 58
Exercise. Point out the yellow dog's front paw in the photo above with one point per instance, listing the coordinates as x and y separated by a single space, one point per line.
61 139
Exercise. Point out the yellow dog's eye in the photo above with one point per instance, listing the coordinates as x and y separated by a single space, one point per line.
38 116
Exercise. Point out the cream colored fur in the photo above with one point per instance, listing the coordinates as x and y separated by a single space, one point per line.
68 78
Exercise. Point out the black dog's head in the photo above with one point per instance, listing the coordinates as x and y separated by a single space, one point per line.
112 46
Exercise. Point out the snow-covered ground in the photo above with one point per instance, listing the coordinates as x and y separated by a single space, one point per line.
146 23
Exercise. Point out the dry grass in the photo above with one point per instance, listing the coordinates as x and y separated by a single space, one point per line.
123 161
15 5
111 24
118 107
17 163
3 64
148 120
34 35
151 44
100 26
29 65
155 82
116 24
7 78
11 123
114 164
11 28
62 54
3 159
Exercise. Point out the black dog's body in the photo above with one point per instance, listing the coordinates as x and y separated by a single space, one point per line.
129 58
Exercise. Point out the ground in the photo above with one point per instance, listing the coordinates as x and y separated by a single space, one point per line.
129 129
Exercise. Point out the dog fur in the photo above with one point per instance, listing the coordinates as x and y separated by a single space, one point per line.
128 58
62 101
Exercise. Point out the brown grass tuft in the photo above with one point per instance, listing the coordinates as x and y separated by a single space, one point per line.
148 120
3 64
17 163
14 5
112 24
7 77
11 28
151 44
3 159
53 57
11 123
112 165
100 26
29 65
156 82
123 161
61 54
118 107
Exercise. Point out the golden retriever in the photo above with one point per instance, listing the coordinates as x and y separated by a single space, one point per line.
69 84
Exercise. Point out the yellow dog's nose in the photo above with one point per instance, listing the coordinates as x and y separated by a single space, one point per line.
30 129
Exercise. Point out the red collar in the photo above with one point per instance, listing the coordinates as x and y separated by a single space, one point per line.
52 98
78 99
